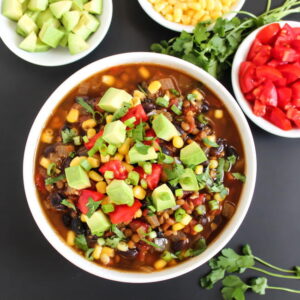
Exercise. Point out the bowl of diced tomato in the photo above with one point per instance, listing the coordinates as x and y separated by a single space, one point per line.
266 78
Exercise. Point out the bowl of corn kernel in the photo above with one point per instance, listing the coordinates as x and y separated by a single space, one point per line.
179 15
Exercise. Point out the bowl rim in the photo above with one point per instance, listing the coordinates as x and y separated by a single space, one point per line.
158 18
240 56
30 154
35 57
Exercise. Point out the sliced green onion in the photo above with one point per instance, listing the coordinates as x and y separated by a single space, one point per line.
213 205
107 208
191 97
51 180
152 235
103 149
101 241
85 139
134 177
111 149
161 101
51 169
179 192
198 228
144 183
147 168
175 92
201 210
202 119
77 140
167 256
130 122
86 165
179 214
109 175
96 146
176 110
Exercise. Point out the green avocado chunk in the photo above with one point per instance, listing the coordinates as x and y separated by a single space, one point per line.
77 178
188 181
120 192
12 9
38 5
163 198
192 155
60 7
113 99
29 43
115 133
98 223
163 128
135 156
76 43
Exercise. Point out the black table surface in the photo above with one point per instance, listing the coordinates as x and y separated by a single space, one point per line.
31 269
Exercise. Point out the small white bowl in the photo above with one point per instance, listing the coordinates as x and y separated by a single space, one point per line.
54 57
138 58
157 17
241 56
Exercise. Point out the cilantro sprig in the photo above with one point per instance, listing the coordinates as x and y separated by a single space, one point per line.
212 47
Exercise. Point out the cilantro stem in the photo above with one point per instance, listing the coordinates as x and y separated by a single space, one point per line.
243 12
283 289
273 274
269 5
272 266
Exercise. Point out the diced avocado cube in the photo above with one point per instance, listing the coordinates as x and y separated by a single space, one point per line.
77 178
163 198
135 156
188 181
113 99
38 5
192 155
41 47
50 35
12 9
115 133
70 19
98 223
60 7
44 17
76 43
120 192
94 7
26 25
163 128
29 43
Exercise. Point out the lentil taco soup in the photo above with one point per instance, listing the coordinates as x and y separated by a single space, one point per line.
140 167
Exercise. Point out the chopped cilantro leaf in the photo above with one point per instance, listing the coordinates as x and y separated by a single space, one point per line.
141 148
239 176
52 180
81 243
68 135
68 204
92 206
121 112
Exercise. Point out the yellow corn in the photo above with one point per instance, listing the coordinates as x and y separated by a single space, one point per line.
90 133
47 136
213 164
108 251
177 15
138 94
139 192
76 161
138 214
127 158
211 138
199 95
45 162
128 167
83 218
118 156
154 87
97 252
104 158
109 118
124 148
160 264
104 258
70 238
108 80
144 72
186 220
94 162
122 246
101 187
178 142
218 114
218 197
73 116
177 226
95 176
135 101
199 170
87 124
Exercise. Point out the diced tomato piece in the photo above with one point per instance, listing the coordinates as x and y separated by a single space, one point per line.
296 94
285 54
150 133
294 115
198 201
255 48
263 56
135 224
268 95
257 91
116 167
124 213
291 72
83 200
284 97
138 112
247 77
259 108
269 33
285 36
275 63
296 45
90 144
40 182
250 96
153 178
279 119
296 32
269 73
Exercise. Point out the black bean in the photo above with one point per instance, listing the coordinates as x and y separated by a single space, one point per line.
160 234
205 107
203 220
77 226
67 219
216 151
230 150
66 163
49 149
180 245
148 105
82 151
130 254
165 150
55 200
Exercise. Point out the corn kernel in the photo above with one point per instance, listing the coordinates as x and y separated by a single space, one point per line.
104 158
160 264
139 192
218 197
109 118
47 136
154 87
108 80
218 113
45 162
213 164
124 148
177 226
104 258
108 251
128 167
138 214
122 246
199 170
177 15
83 218
178 142
94 162
70 238
73 116
127 158
90 133
139 94
144 72
97 252
160 6
87 124
169 17
101 187
118 156
95 176
135 101
76 161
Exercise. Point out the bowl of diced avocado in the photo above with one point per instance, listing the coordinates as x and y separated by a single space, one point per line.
54 32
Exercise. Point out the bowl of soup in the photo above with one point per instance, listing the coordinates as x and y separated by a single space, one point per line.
140 167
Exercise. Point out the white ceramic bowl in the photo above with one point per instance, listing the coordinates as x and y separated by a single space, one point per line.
54 57
34 136
241 56
157 17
